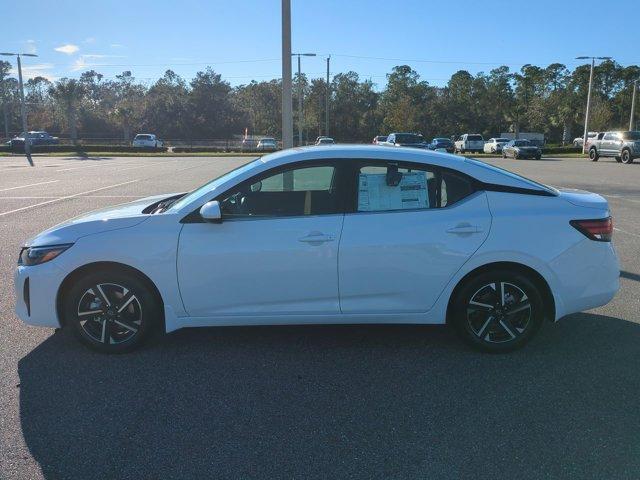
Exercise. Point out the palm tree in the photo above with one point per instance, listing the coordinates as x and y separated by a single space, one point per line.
67 93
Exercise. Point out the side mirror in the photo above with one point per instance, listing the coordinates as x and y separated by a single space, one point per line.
210 212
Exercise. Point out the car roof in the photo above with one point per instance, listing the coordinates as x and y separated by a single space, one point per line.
472 167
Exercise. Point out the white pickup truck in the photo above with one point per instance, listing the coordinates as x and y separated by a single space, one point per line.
470 142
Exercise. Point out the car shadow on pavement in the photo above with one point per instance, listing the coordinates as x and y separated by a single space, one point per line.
338 402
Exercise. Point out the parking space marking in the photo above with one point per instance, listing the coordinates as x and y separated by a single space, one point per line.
106 164
624 231
60 199
30 185
86 196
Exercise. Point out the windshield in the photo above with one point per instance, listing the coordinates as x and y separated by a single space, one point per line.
409 138
441 140
502 140
216 182
522 143
474 138
635 135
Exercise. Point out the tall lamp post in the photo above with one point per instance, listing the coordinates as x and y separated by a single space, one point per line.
287 106
633 104
586 115
327 96
23 110
300 120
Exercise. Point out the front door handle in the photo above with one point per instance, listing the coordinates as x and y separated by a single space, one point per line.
317 238
464 229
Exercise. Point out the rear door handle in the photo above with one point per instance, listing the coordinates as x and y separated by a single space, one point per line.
317 238
463 229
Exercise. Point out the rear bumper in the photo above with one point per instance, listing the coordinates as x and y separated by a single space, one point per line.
588 276
36 290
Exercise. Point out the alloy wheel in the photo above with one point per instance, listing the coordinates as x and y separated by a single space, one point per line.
109 313
499 312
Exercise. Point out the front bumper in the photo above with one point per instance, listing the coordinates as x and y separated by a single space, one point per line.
36 288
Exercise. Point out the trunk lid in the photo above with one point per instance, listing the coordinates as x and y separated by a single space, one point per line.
582 198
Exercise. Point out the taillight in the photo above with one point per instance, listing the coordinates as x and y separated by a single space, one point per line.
600 229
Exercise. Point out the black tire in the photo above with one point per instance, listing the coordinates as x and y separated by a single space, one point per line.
593 155
110 330
494 330
626 157
538 157
504 155
618 159
516 156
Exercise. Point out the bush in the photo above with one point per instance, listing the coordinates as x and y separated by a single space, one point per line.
565 149
217 150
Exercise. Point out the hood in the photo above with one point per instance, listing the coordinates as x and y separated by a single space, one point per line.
582 198
111 218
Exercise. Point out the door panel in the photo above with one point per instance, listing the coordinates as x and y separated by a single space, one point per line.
260 266
400 261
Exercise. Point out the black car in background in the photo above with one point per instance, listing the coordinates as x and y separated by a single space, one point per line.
414 140
441 143
521 149
35 138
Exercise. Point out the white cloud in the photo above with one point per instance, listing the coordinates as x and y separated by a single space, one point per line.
89 40
81 62
69 49
116 45
30 46
32 71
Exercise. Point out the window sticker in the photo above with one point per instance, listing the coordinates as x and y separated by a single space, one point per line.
375 195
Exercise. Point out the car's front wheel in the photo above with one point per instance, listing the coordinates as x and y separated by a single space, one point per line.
626 157
593 155
497 311
111 311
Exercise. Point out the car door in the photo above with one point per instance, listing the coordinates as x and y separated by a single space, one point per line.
608 144
402 244
274 252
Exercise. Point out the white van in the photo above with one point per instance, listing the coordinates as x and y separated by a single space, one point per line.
470 142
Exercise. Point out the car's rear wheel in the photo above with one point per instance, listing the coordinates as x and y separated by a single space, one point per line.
593 155
626 157
497 311
111 311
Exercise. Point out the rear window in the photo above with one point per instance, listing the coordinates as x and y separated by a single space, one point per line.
522 143
409 138
488 166
474 138
502 139
631 135
143 137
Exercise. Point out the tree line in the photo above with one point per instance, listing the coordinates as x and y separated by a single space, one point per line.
550 100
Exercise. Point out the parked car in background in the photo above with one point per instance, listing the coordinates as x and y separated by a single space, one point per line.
324 141
36 138
442 144
494 145
441 240
578 141
469 142
379 139
414 140
521 149
623 146
147 140
267 143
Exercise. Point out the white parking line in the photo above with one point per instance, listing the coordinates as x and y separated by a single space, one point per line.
624 231
30 185
87 196
67 197
102 164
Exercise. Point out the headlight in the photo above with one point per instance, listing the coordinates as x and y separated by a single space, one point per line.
37 255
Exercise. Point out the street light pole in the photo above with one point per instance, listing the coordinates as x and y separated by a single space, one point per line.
586 115
633 104
287 107
327 95
23 110
300 115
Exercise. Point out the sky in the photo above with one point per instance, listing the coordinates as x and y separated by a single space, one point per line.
242 40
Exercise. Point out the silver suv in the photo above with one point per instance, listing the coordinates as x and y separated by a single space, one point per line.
623 146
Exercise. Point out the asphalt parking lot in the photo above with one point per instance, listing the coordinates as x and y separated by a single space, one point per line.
313 401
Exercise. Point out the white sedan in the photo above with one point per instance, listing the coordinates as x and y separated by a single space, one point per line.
494 145
340 234
147 140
